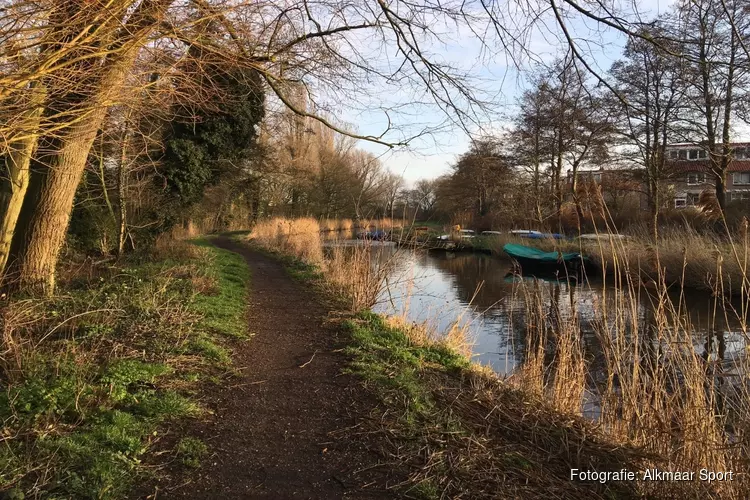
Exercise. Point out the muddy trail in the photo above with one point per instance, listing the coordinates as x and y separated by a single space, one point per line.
284 427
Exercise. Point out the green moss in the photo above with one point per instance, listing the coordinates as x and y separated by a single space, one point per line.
190 451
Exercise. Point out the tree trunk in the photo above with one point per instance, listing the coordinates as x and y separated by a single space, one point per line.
721 191
45 213
537 196
654 202
122 215
576 199
13 188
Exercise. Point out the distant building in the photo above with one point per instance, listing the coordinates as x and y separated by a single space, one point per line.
618 186
688 176
691 173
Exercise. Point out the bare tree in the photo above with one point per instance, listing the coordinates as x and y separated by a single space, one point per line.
652 81
80 54
713 33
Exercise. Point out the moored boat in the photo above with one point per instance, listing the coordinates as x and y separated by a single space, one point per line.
533 260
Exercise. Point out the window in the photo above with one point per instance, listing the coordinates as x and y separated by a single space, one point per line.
741 178
673 154
740 153
694 178
693 154
683 154
739 196
680 202
702 154
693 199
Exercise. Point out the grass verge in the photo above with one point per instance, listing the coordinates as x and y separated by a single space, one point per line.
465 434
94 376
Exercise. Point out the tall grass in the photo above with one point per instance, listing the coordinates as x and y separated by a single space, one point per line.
659 392
355 271
297 237
329 225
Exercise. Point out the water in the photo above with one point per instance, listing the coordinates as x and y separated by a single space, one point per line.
438 287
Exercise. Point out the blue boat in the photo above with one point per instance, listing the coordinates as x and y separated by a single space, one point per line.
540 236
377 235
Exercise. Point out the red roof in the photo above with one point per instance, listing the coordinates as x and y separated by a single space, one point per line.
683 145
703 165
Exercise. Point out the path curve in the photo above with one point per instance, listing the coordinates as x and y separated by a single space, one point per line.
278 431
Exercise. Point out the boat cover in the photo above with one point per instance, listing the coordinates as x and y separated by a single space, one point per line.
524 252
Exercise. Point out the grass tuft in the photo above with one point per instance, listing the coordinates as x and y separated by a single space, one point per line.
190 451
223 311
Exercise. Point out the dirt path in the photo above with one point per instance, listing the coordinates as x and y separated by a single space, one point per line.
278 431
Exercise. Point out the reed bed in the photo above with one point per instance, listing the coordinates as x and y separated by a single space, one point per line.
355 271
329 225
332 225
297 237
659 393
682 257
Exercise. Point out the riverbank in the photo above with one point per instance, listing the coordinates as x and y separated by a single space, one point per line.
681 258
464 433
412 368
97 377
457 429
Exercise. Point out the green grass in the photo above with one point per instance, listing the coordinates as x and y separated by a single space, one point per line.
190 451
388 360
81 411
224 311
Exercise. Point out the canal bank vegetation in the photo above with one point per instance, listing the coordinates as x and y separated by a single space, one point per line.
664 388
682 257
95 377
660 403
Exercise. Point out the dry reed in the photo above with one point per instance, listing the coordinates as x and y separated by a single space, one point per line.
329 225
659 392
354 271
297 237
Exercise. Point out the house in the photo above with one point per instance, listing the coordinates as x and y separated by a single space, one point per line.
691 173
618 186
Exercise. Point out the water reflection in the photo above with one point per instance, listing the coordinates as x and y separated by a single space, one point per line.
439 287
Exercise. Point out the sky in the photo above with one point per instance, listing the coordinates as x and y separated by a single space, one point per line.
432 156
